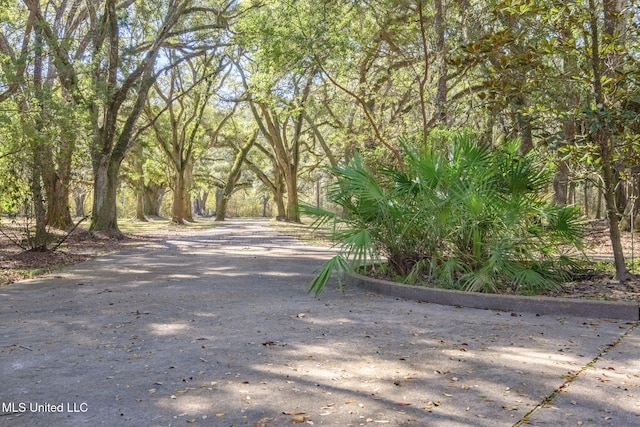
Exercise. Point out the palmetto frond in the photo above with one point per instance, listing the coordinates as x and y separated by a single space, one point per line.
471 216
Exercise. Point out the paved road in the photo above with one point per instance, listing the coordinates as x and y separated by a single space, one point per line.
218 330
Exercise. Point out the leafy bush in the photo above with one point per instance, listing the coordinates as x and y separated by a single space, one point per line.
473 217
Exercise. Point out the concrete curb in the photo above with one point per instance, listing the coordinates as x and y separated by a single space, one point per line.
540 305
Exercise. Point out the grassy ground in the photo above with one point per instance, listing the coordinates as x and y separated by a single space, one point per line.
156 225
16 263
305 231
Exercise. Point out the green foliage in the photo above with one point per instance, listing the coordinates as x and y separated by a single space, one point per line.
14 187
13 190
472 217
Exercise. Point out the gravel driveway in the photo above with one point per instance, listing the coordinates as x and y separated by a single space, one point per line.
218 330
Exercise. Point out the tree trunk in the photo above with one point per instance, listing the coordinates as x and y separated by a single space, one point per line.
58 213
177 207
291 171
278 197
153 194
105 191
139 192
196 206
523 124
203 202
570 102
318 190
572 195
39 242
293 210
441 62
218 199
140 216
561 183
586 199
234 174
286 154
221 212
599 203
78 200
186 195
107 166
275 186
285 160
56 176
603 138
265 202
138 183
635 202
603 141
620 185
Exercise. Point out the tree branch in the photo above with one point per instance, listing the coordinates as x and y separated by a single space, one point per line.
363 104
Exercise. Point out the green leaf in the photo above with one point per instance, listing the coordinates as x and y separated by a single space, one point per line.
336 264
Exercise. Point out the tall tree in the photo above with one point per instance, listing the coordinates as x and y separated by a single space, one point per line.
124 40
604 63
184 95
282 129
234 174
35 141
27 94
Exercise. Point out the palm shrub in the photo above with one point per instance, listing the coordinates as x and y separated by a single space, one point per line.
471 217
